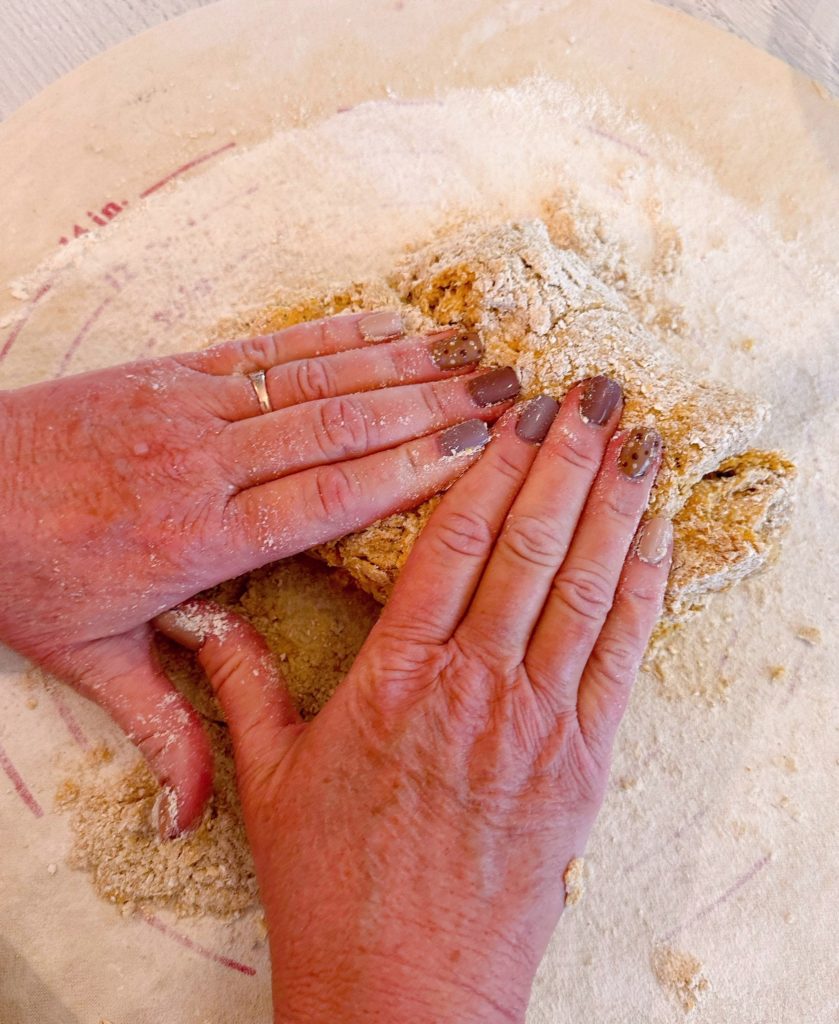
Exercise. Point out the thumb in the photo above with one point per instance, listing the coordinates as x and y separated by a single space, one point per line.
244 676
122 676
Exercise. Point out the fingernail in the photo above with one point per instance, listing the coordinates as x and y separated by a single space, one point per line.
494 387
460 350
464 437
536 417
164 814
639 452
386 325
599 399
654 542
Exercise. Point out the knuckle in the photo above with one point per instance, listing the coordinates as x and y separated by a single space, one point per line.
325 333
343 428
337 493
464 533
585 589
643 601
583 772
505 465
312 380
417 459
432 402
262 350
573 452
616 659
400 362
623 509
533 540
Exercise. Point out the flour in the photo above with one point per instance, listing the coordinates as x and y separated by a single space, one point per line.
340 202
315 624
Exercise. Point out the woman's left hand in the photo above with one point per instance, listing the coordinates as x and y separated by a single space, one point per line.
127 490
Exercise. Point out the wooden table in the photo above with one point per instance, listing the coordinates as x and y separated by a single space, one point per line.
41 40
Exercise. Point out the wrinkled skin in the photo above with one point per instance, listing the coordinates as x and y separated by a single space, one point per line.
410 842
127 490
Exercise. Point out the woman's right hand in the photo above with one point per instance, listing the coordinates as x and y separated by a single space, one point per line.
127 490
410 842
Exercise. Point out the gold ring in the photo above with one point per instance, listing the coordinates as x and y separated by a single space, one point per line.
260 389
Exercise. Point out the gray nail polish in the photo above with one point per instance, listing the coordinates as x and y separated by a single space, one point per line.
464 437
496 386
535 418
600 397
385 325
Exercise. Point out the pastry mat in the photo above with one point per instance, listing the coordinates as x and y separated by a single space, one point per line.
712 873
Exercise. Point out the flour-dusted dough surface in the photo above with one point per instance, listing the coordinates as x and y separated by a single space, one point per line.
541 309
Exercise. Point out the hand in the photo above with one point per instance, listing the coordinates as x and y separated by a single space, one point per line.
410 842
124 491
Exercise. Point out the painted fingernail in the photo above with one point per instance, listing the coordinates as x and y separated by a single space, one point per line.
461 349
600 397
536 417
464 437
494 387
386 325
639 451
654 542
164 814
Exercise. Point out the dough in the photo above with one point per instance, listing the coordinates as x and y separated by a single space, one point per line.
541 309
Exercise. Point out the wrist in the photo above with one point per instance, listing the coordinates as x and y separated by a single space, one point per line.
367 989
402 974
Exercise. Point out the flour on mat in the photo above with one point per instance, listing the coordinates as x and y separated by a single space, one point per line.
273 225
681 974
314 623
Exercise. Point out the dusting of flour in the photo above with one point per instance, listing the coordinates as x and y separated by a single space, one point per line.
699 794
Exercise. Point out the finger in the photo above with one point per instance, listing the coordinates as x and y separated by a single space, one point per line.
442 572
122 676
245 679
538 530
302 341
317 433
584 588
414 360
617 655
290 515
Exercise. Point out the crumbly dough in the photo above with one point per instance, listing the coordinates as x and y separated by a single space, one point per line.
574 879
541 309
681 974
314 623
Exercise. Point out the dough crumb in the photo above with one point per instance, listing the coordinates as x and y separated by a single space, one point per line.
314 622
681 974
574 879
810 635
777 672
